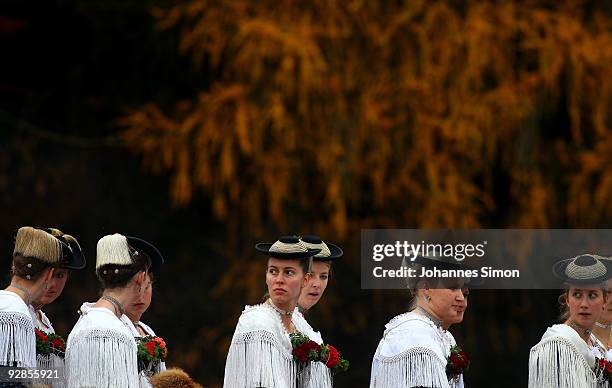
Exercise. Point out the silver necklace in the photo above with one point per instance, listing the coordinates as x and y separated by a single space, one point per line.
436 321
279 310
116 304
579 328
28 296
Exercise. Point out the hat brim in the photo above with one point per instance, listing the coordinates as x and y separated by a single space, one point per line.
559 267
335 252
265 249
72 255
156 257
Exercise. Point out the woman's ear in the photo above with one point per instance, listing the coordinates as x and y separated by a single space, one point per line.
49 274
307 278
140 278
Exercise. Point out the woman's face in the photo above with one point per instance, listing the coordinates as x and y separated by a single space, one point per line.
285 280
141 303
449 304
606 316
312 293
55 286
586 304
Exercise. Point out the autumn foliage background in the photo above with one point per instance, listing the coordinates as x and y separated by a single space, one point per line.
205 126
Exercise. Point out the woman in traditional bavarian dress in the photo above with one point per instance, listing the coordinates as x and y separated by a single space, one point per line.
101 349
565 357
55 358
416 346
310 296
260 353
37 258
135 309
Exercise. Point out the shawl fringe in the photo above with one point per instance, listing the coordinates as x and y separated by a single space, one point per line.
556 363
102 358
20 348
256 359
51 361
416 367
320 376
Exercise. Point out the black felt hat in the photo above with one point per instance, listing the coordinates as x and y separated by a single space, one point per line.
149 249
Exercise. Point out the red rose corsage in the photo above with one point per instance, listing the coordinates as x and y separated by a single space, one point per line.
332 359
49 343
306 350
457 362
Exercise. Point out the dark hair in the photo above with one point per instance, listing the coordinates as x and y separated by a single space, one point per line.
118 276
30 268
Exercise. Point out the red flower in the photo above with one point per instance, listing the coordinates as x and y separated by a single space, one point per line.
160 341
601 363
608 367
466 360
41 335
456 363
302 352
57 343
151 346
334 357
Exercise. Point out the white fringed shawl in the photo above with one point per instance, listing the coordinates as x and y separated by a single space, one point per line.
561 360
18 344
101 352
320 375
413 352
260 352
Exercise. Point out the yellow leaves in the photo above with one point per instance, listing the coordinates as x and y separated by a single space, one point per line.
242 128
591 188
386 113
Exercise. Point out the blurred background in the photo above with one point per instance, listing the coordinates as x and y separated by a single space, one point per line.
207 126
